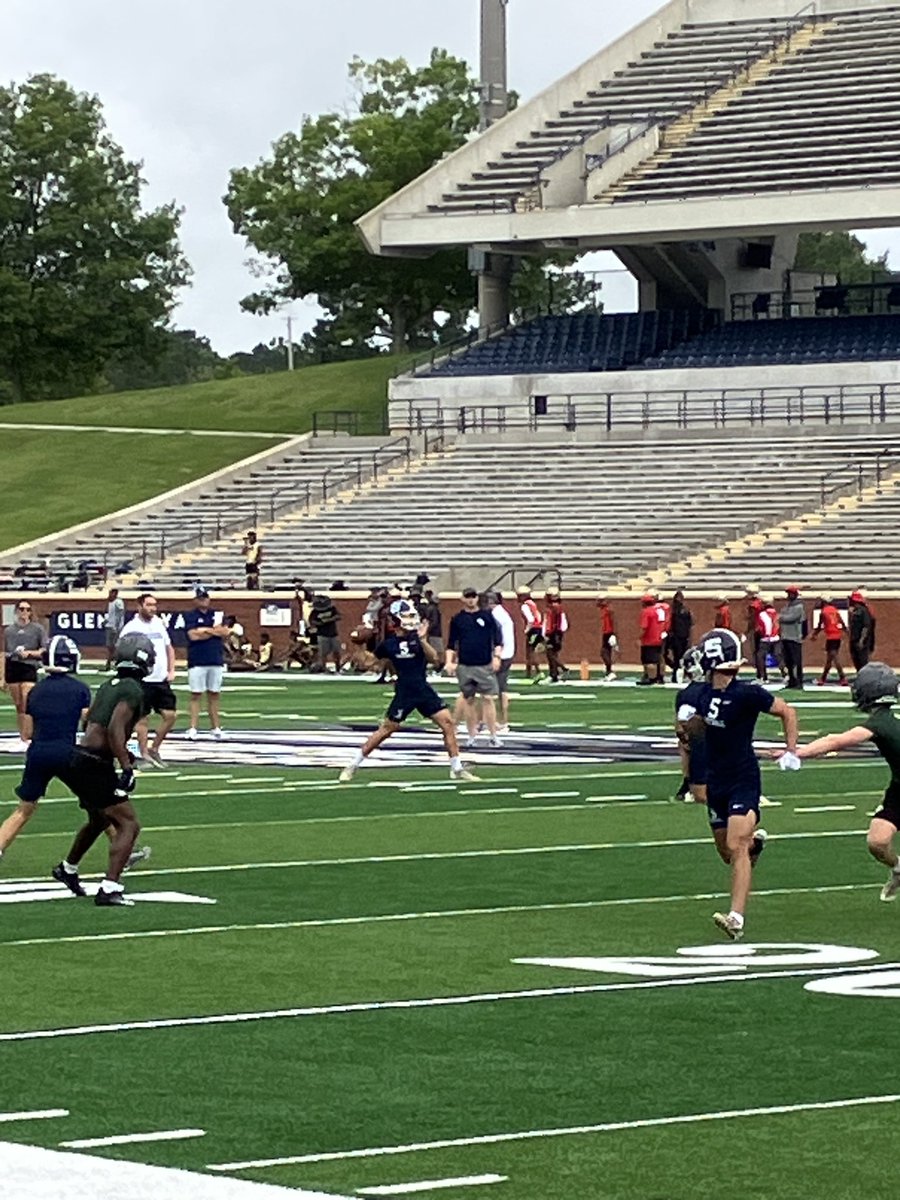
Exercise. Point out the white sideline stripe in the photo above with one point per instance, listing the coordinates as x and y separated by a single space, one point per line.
125 1139
524 1135
430 1185
38 1114
450 913
820 808
365 1006
547 795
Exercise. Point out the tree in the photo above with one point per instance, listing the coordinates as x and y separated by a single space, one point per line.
178 356
840 254
296 209
84 273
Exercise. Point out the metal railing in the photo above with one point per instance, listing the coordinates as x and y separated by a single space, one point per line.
672 408
366 466
849 477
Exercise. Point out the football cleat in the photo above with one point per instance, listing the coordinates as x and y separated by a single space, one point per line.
347 774
464 776
728 925
191 734
69 879
891 888
759 844
137 856
155 759
112 900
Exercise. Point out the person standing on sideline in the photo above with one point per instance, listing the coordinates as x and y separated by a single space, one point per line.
431 615
157 683
473 653
205 660
252 551
407 648
23 645
112 626
861 629
55 710
325 619
723 615
729 709
874 691
608 640
101 776
792 620
556 625
533 631
752 632
769 641
832 624
681 624
652 636
494 601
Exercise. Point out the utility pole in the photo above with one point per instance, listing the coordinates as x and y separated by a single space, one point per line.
290 342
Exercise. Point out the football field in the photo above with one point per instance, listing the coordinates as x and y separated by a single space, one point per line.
507 988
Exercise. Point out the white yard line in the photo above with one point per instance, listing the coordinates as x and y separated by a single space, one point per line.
825 808
126 1139
38 1114
430 1185
524 1135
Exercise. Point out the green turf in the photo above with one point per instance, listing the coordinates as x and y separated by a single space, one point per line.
354 895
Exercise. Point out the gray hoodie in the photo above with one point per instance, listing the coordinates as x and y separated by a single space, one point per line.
791 620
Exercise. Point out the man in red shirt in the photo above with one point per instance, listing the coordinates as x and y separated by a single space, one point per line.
608 639
652 636
555 625
533 629
751 632
723 618
769 640
832 624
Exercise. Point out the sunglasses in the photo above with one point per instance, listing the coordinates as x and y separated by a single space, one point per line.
24 608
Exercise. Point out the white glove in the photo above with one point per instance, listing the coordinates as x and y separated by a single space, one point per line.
789 761
613 641
685 712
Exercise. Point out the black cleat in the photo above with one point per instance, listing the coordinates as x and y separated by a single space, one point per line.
112 900
682 793
69 879
759 844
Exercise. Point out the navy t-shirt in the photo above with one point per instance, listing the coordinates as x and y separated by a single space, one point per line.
474 636
730 715
55 707
207 652
406 656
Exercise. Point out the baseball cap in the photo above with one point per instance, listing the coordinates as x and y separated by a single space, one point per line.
647 598
469 592
793 590
857 597
200 593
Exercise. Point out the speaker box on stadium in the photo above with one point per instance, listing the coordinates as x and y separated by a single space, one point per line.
832 299
757 256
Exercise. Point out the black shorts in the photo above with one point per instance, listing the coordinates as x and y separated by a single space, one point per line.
736 800
405 701
832 645
534 638
889 808
93 779
651 655
20 670
158 697
44 761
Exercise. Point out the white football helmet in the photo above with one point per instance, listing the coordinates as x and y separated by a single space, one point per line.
405 614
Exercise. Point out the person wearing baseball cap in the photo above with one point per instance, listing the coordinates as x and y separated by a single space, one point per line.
533 630
862 630
652 636
792 622
206 661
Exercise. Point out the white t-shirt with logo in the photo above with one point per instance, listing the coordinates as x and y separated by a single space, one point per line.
507 629
155 630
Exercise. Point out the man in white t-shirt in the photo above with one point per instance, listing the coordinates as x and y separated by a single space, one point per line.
157 684
507 653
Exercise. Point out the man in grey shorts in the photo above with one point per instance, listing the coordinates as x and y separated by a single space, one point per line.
473 652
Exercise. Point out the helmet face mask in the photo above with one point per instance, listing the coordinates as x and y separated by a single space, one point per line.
875 686
720 650
404 615
691 666
61 656
135 655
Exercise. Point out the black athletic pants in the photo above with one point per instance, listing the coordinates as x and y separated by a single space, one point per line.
793 661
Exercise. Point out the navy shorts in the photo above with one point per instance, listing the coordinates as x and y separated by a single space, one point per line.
425 699
43 762
735 801
697 761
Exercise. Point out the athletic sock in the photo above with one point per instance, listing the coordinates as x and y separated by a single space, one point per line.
737 918
68 868
110 885
455 763
358 758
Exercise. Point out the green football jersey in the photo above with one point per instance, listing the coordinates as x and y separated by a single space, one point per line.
108 697
885 730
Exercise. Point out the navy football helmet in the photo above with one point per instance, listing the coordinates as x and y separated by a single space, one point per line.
720 650
61 655
691 666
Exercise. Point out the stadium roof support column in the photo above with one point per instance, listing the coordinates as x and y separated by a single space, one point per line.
495 271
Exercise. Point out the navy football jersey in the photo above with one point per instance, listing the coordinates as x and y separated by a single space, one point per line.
55 707
730 714
689 697
405 654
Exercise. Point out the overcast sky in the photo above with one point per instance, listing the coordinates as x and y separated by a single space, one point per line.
196 87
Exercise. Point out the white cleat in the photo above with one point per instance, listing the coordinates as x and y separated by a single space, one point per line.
464 776
729 926
495 742
891 888
137 856
347 774
470 743
191 734
218 734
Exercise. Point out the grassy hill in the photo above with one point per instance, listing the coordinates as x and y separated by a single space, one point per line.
57 477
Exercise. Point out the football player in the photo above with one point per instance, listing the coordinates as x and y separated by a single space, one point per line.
874 691
729 709
407 651
101 773
533 629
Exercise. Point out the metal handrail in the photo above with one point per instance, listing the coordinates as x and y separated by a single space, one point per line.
856 472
